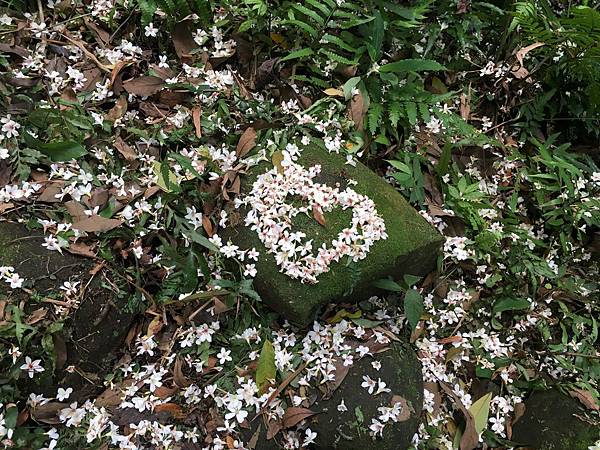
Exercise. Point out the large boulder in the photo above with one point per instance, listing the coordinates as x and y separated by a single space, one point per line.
93 333
411 247
349 429
553 421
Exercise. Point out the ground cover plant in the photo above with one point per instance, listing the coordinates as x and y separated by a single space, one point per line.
127 129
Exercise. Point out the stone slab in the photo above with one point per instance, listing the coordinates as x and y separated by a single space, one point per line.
411 248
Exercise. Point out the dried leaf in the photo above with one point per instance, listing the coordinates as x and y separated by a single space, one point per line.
405 408
246 143
76 210
470 437
183 40
332 92
49 194
36 316
318 215
155 325
125 149
585 397
358 110
196 115
143 86
60 350
81 249
97 224
173 409
48 413
119 110
178 377
520 54
295 415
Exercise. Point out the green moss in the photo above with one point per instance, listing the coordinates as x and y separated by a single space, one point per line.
411 247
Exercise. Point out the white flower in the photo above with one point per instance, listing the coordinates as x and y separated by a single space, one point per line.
4 153
310 437
223 355
32 366
15 281
369 384
250 270
138 251
63 394
146 344
376 427
342 406
150 30
10 128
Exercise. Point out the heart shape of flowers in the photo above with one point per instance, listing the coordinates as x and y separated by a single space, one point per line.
270 215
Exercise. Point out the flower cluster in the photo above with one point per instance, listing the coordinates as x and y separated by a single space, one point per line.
271 216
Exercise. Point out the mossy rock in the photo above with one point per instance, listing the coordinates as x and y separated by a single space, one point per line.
95 330
349 430
552 422
412 246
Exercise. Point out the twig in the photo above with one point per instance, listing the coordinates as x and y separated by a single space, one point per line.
86 52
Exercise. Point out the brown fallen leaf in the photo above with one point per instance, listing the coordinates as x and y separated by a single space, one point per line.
119 110
76 210
585 397
358 110
183 40
318 215
470 438
111 397
36 316
144 86
48 413
81 249
246 143
97 224
405 409
178 377
295 415
273 427
6 206
173 409
125 149
52 189
196 114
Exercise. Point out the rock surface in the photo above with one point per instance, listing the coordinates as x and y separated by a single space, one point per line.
551 422
411 248
94 332
349 430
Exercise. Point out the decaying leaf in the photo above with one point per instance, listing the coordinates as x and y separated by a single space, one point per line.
277 159
143 86
246 143
48 413
470 438
318 215
585 397
178 377
405 408
196 114
97 224
125 149
358 110
173 409
294 415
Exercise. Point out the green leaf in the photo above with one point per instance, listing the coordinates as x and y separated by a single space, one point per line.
388 285
266 370
413 307
411 65
62 151
511 304
349 87
302 53
480 411
377 33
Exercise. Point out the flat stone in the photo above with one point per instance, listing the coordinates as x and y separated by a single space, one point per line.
411 247
552 421
95 330
349 430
